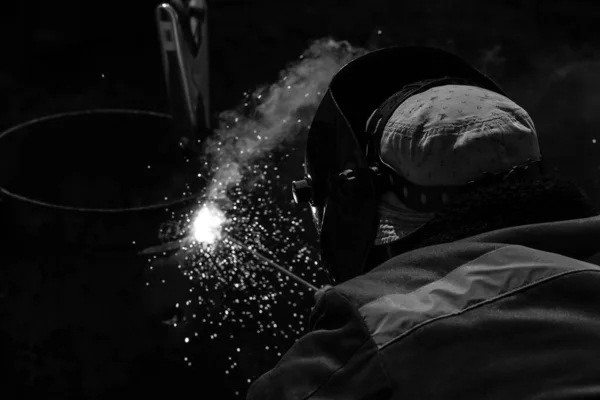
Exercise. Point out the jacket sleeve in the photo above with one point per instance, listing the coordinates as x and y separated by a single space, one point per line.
336 360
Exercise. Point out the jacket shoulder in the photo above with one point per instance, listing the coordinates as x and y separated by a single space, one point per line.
504 321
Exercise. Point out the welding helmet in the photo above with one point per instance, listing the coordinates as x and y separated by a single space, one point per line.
344 176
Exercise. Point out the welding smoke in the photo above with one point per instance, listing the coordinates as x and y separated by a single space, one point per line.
273 115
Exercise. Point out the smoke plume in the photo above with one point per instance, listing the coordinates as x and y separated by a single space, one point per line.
273 115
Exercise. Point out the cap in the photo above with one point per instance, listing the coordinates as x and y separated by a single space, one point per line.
448 136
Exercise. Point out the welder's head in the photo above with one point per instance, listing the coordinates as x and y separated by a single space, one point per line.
400 133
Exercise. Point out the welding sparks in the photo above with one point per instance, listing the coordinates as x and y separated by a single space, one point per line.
238 293
208 224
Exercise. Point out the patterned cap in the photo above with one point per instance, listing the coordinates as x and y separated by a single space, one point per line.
447 136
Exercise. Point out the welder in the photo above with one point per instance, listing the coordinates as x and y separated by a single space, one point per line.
460 268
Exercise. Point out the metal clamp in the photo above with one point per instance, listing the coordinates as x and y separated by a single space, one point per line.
183 34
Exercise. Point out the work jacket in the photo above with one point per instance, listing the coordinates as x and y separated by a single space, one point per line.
509 314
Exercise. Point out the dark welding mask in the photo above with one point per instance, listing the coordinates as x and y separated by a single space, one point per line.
344 175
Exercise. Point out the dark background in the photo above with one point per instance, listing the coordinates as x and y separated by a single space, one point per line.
543 53
54 55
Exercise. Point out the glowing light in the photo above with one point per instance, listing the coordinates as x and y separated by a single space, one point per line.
208 224
234 289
